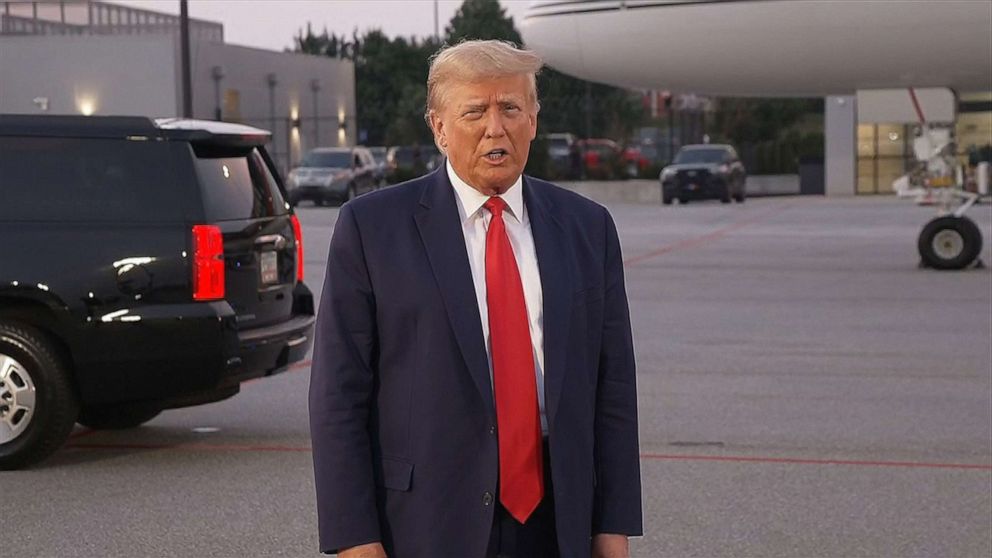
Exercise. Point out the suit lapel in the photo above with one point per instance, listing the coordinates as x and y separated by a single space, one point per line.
552 254
441 233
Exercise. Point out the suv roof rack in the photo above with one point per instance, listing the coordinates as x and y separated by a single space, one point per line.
73 125
187 129
210 131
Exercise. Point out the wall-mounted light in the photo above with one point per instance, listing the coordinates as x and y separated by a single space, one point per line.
86 106
342 124
296 122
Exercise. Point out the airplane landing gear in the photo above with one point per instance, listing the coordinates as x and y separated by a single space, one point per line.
950 242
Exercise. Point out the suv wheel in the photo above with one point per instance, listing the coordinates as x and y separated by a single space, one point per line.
118 417
38 405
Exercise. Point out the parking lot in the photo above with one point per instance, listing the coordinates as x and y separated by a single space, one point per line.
805 390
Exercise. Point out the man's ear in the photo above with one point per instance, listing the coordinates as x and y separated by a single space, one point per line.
437 126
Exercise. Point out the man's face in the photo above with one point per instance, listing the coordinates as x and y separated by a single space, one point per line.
486 128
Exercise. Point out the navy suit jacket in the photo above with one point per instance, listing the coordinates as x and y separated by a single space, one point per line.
401 406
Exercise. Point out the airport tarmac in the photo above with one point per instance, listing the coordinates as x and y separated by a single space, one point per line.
805 390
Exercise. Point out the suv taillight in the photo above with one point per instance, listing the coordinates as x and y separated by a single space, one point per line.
298 233
208 263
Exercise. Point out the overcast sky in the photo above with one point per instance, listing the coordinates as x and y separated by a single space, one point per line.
272 24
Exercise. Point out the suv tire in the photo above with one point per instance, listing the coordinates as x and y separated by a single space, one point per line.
39 404
118 417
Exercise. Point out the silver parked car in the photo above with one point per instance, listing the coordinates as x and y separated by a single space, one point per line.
329 175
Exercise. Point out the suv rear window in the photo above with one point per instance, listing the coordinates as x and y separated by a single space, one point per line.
693 156
86 179
237 184
327 159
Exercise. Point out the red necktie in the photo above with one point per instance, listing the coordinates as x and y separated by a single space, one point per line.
521 480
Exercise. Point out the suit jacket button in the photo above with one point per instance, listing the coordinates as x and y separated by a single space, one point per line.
492 429
487 499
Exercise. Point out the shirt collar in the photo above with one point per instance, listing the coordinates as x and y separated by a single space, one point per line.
471 200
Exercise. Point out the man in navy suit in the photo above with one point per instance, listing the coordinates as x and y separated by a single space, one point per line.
472 391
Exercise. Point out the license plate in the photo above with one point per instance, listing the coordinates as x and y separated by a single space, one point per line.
269 267
693 186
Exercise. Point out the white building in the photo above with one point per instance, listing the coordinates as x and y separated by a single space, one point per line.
88 57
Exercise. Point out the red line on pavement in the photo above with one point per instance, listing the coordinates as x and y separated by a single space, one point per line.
300 365
706 238
82 433
792 460
648 456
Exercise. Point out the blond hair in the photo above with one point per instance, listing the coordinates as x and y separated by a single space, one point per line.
471 61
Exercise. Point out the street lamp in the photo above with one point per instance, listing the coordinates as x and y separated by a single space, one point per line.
271 81
217 73
315 88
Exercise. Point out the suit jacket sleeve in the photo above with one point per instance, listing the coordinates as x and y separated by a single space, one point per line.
341 386
617 501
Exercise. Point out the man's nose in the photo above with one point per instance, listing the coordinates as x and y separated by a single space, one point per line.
494 124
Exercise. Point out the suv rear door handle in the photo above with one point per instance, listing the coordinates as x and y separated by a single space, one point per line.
277 239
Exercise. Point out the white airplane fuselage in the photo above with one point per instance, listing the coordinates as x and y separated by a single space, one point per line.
767 47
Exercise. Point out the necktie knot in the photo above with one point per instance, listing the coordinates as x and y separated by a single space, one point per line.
495 205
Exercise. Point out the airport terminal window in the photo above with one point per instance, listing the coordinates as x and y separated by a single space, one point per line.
883 156
73 179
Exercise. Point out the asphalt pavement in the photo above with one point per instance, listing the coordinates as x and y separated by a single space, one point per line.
805 390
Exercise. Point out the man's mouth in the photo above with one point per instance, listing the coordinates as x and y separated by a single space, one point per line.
496 154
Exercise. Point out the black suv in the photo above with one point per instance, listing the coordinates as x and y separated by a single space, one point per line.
144 266
704 171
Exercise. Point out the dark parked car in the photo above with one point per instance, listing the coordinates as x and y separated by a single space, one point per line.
704 171
329 175
405 162
145 266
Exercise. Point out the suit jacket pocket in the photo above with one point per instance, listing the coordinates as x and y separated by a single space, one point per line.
396 474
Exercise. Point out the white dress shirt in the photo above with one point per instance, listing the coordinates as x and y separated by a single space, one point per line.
475 222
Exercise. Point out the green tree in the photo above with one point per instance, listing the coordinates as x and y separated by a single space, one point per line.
481 19
612 112
389 82
391 76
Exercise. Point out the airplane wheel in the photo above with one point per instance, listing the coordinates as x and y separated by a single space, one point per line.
950 242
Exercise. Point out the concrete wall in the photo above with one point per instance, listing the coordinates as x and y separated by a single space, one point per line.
649 191
141 75
245 77
840 152
121 75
